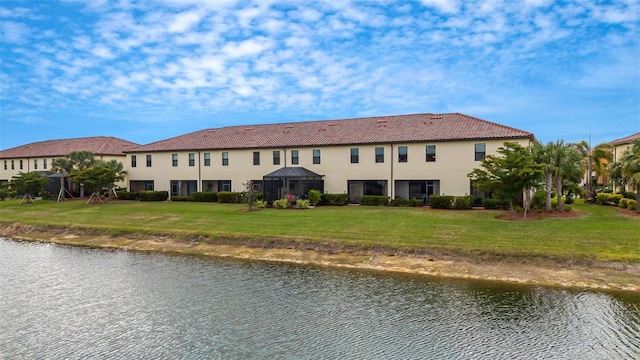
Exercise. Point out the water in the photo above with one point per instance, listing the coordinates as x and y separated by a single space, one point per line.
63 302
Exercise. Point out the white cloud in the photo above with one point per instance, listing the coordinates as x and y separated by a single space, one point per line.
14 32
246 48
184 21
445 6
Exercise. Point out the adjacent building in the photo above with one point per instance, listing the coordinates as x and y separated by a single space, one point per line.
404 156
620 145
39 156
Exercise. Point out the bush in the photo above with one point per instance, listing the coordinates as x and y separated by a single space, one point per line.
259 196
302 204
374 200
632 204
463 202
441 201
181 198
281 204
314 196
4 194
261 204
496 204
623 203
153 195
229 197
128 195
567 208
608 198
206 196
406 202
628 195
334 199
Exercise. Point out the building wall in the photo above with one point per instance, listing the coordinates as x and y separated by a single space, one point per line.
454 160
38 164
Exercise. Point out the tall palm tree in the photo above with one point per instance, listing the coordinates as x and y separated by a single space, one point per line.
601 157
566 158
631 168
545 156
61 166
595 160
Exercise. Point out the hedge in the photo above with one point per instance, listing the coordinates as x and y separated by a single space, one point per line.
207 196
608 198
495 204
153 195
230 197
451 202
128 195
632 204
374 200
181 198
406 202
334 199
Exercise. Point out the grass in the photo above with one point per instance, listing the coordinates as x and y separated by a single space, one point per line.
601 234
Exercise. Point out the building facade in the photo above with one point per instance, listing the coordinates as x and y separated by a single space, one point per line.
405 156
39 156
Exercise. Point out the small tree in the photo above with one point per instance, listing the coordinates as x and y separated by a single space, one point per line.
96 178
29 184
62 166
314 197
249 194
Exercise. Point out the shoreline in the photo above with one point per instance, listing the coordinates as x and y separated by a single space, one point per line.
594 275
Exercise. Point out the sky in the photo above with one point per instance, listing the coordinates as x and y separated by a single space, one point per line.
145 71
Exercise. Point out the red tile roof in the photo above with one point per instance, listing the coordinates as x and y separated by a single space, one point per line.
371 130
625 140
99 145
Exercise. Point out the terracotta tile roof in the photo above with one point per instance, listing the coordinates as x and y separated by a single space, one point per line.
99 145
625 140
371 130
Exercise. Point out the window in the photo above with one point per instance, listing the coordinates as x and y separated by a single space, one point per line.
20 164
316 156
276 157
379 154
480 151
5 164
294 157
224 185
13 165
431 153
256 158
355 155
134 161
225 158
192 159
148 160
35 164
148 185
44 164
207 159
403 154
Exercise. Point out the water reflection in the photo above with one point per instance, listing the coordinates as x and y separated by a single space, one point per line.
62 302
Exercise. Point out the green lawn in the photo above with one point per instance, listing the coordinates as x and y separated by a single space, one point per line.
601 234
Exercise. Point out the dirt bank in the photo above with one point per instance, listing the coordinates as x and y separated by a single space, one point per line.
539 271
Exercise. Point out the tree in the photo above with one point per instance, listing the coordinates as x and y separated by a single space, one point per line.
631 168
80 160
568 169
618 180
118 168
545 155
29 184
96 178
249 194
510 174
594 160
62 166
601 157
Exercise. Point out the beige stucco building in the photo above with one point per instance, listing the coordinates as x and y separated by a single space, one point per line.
405 156
620 145
39 156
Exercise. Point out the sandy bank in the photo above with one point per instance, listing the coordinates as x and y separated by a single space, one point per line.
536 271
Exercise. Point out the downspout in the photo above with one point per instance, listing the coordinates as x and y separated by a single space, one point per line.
284 150
199 184
391 188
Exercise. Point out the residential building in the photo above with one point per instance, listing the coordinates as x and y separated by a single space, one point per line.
39 156
620 145
404 156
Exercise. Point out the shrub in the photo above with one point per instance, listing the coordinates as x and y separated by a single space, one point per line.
406 202
608 198
463 202
628 194
206 196
261 204
259 196
623 203
632 204
281 204
181 198
334 199
441 201
314 197
128 195
229 197
567 208
496 204
153 195
374 200
4 194
302 204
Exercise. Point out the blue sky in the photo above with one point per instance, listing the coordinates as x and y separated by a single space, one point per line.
149 70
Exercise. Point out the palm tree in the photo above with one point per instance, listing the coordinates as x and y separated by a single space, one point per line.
545 156
631 168
566 159
594 159
601 157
